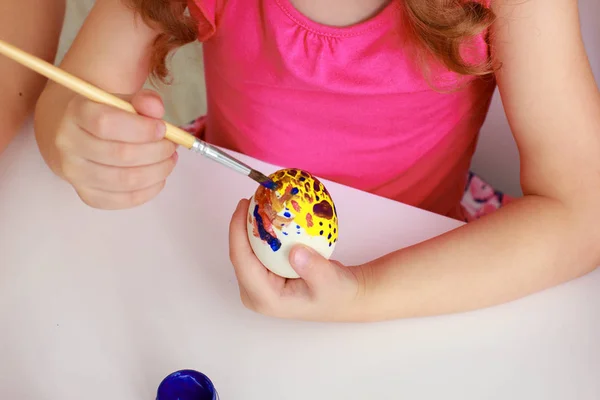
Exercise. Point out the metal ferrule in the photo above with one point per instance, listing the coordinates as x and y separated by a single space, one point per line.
222 158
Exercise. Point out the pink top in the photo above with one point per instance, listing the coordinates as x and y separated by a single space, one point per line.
344 103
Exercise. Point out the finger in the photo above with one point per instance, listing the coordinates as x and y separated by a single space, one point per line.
117 179
246 300
296 288
111 123
251 274
116 154
149 103
317 271
118 201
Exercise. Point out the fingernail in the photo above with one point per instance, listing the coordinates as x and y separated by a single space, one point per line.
302 256
161 129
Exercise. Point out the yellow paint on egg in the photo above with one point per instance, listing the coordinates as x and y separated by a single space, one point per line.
303 199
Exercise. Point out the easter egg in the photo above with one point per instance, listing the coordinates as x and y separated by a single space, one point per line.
300 211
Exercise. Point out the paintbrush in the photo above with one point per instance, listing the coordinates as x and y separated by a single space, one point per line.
87 90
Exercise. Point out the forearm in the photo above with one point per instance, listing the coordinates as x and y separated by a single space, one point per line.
112 51
527 246
35 27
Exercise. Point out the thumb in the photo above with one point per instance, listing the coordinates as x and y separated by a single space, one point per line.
148 103
312 267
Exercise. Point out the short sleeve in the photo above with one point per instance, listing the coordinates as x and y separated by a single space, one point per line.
205 13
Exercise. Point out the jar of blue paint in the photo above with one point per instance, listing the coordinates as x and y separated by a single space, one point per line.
186 384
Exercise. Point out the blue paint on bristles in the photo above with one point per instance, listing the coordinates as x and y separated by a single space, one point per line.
270 185
263 180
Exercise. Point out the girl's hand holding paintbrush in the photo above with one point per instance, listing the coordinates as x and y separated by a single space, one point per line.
113 150
114 159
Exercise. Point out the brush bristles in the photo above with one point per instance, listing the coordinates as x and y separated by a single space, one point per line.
263 180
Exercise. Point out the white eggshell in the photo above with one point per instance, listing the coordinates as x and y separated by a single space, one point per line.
278 261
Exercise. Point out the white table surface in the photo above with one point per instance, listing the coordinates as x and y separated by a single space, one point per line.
104 304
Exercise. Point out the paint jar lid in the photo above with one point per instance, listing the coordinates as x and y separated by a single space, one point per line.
186 384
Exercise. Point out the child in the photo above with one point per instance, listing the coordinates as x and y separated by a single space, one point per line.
35 27
384 95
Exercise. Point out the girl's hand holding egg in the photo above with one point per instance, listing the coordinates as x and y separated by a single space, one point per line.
279 236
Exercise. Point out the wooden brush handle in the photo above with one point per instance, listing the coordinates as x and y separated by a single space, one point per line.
85 89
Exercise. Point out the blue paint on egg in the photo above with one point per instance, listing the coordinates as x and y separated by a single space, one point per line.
271 240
